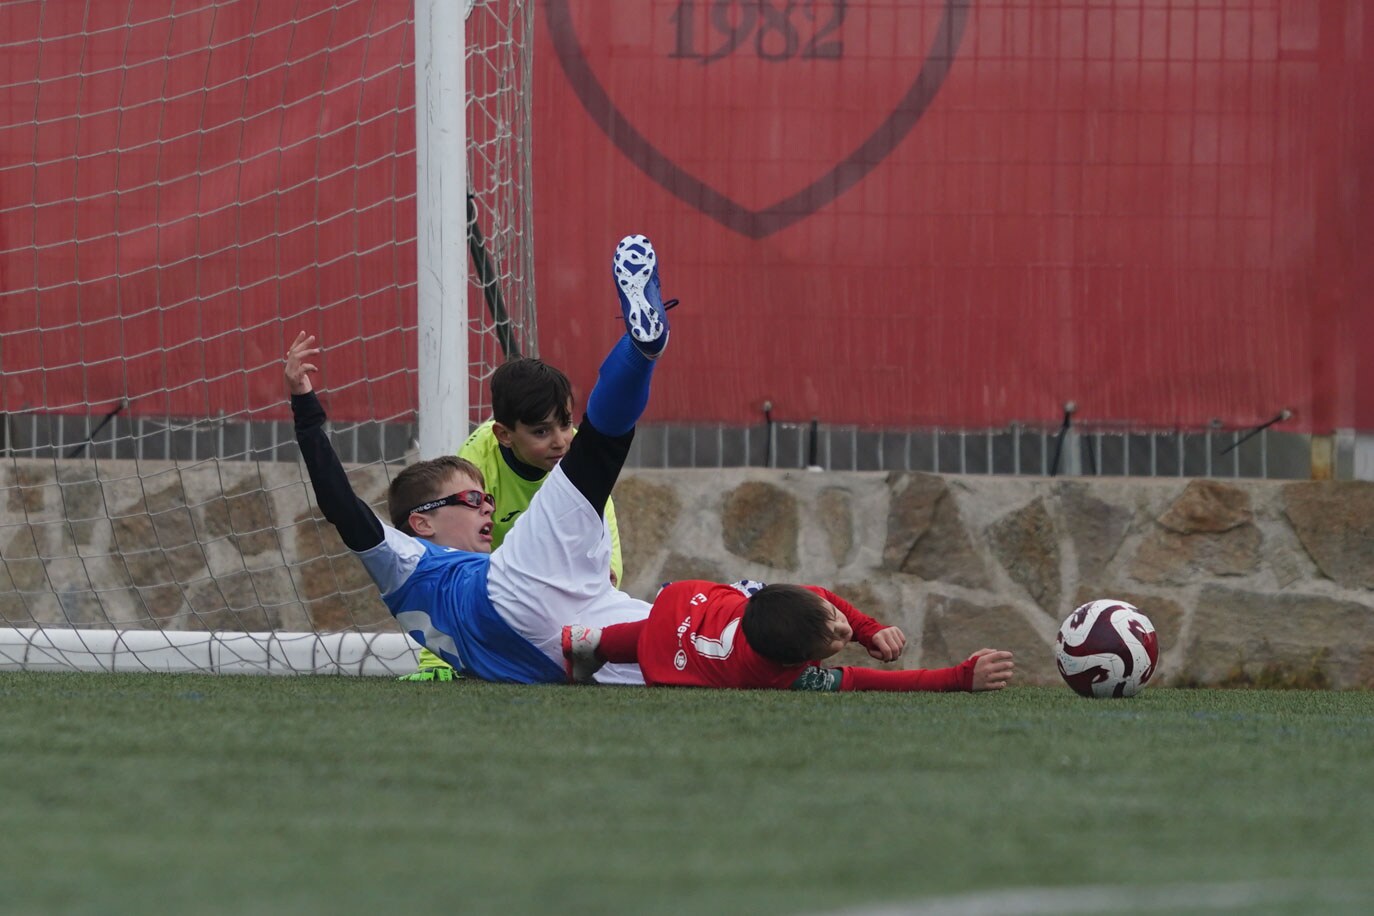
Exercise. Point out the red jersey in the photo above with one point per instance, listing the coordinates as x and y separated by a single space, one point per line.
692 638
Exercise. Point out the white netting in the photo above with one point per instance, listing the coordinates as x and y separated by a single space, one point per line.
188 185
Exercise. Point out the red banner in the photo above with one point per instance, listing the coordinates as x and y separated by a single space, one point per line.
927 212
968 214
203 184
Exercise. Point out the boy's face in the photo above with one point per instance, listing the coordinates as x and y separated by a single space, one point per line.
840 632
541 445
456 526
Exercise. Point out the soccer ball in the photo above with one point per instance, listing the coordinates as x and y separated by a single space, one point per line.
1107 649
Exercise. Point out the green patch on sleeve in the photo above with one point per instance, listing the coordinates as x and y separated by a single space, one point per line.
818 679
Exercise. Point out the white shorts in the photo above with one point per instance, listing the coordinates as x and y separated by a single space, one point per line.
554 568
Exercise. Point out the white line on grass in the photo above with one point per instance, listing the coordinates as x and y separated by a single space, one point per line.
1106 898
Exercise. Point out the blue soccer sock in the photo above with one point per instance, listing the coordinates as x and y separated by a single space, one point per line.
622 389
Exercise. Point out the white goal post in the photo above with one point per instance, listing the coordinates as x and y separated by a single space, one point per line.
207 180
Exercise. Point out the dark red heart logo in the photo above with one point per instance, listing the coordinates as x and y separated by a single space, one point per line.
756 222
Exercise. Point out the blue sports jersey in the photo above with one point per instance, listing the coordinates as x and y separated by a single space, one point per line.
439 597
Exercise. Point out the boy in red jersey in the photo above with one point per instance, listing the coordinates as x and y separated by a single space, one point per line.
752 636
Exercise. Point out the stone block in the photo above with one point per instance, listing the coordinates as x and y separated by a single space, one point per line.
955 628
680 566
1026 543
1209 530
32 489
926 536
1334 521
760 522
1096 527
1208 507
1167 558
835 515
1234 628
645 514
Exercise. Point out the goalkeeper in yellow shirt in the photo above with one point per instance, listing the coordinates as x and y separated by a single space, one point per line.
528 434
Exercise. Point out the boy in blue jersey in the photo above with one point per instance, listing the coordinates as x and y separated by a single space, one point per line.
499 616
529 432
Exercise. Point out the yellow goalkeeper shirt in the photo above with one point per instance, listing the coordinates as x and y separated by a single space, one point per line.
513 490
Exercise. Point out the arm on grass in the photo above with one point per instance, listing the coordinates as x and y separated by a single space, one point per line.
986 669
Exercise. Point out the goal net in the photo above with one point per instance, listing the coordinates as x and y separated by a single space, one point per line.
207 179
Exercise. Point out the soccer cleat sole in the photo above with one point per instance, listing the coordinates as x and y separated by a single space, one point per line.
635 263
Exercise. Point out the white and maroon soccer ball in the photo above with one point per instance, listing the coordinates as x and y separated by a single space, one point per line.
1107 649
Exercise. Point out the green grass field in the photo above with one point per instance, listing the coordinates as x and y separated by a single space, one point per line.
201 794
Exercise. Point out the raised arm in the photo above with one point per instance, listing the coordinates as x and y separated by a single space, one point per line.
357 524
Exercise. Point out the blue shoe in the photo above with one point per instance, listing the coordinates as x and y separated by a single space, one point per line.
641 304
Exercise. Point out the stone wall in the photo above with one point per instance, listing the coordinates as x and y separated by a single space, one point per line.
1240 578
145 545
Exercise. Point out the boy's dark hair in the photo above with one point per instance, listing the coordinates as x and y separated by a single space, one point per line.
421 482
527 390
787 624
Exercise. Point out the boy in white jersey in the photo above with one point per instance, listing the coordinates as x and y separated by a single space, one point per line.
499 616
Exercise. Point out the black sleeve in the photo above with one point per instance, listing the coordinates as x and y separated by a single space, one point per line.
354 519
594 461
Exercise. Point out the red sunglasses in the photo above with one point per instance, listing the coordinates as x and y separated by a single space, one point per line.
473 499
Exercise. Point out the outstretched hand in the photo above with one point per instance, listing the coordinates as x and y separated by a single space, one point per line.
888 644
993 670
297 368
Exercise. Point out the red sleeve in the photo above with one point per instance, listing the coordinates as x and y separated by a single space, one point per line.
960 677
865 627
